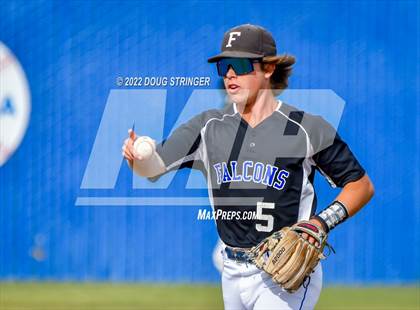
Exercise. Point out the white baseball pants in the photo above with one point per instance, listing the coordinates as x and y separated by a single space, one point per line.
245 287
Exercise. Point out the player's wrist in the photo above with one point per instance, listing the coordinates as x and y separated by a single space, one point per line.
334 214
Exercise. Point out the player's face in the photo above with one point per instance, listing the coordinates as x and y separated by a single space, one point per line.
244 88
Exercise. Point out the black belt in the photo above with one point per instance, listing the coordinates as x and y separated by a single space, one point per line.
238 255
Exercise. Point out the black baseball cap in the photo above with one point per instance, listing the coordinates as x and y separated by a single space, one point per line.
246 41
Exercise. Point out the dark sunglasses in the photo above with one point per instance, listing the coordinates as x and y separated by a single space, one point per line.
239 65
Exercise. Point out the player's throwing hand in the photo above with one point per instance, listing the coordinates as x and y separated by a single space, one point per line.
128 150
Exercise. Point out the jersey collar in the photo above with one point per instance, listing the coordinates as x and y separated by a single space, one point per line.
235 109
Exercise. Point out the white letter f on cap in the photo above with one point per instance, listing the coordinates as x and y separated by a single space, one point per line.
231 37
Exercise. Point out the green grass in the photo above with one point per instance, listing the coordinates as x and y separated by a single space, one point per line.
60 296
378 298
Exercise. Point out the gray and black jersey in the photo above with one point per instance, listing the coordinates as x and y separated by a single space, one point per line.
267 169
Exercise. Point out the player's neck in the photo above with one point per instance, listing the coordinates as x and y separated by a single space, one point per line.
255 111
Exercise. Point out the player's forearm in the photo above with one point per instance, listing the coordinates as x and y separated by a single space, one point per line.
351 199
356 194
149 167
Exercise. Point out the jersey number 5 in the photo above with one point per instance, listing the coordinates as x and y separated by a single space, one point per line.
268 227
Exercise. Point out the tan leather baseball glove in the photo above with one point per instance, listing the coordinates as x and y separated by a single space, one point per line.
288 257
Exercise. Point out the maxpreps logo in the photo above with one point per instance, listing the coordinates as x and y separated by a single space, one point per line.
147 108
15 103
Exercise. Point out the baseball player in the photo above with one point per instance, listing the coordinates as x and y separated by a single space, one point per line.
260 156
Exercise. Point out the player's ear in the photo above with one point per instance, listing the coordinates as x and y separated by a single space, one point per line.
268 69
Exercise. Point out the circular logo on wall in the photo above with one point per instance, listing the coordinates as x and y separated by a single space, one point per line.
15 105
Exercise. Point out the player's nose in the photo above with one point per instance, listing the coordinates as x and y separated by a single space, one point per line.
231 73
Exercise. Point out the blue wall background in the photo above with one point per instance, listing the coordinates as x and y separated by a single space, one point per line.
366 51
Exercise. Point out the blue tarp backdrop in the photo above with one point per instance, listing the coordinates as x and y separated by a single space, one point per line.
72 52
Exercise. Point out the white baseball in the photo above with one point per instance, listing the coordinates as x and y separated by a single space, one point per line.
143 148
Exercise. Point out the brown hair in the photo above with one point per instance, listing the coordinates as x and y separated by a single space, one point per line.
280 77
